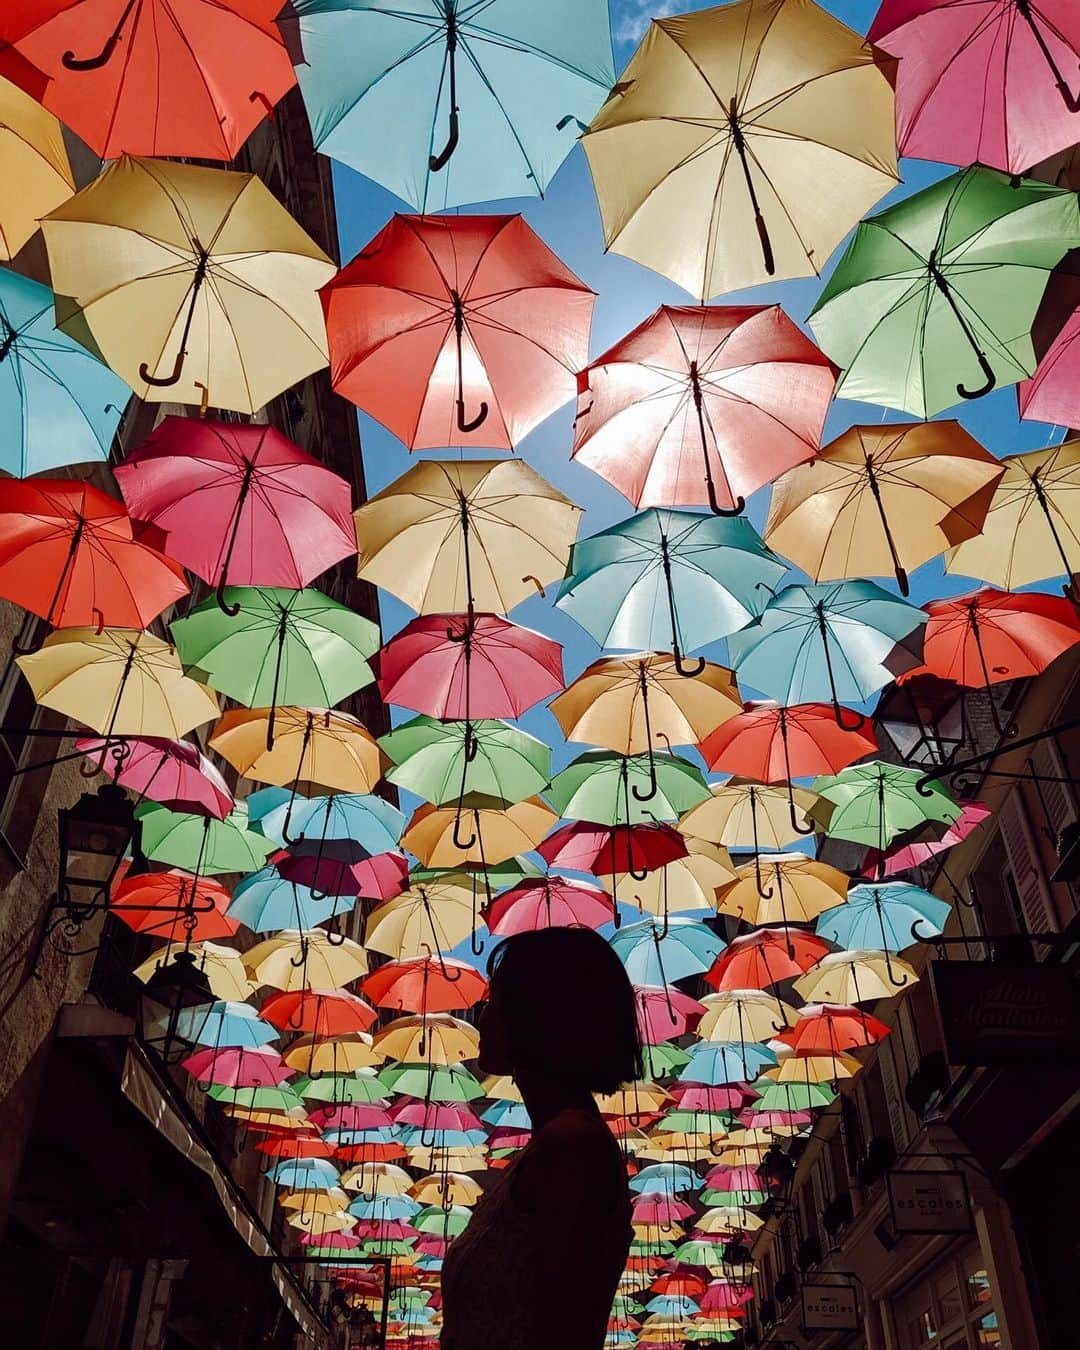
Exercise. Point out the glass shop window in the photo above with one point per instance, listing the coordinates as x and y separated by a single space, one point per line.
951 1308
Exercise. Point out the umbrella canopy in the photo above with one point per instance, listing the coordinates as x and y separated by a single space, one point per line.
718 159
234 1066
174 905
294 961
905 856
669 581
983 82
32 146
320 1012
655 953
422 920
873 803
669 414
663 1013
200 843
830 1029
477 534
547 902
773 744
194 284
935 297
443 1039
883 499
742 1015
626 789
990 635
1050 395
265 902
782 888
751 815
441 761
175 774
688 883
224 1024
457 330
239 503
495 833
893 917
221 967
584 846
856 977
368 821
160 77
425 985
446 103
118 682
767 957
336 1059
312 745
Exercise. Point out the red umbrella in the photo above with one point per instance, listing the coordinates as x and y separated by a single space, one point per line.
548 902
983 81
186 78
765 957
702 405
447 667
907 856
771 744
342 867
238 1066
173 904
989 635
370 1152
322 1012
425 984
664 1012
67 553
457 330
830 1028
293 1145
240 504
689 1286
174 773
583 846
726 1296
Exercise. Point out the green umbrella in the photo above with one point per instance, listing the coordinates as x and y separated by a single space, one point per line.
942 286
340 1088
443 761
794 1097
696 1122
442 1222
257 1098
875 802
201 844
453 1084
279 647
661 1060
626 789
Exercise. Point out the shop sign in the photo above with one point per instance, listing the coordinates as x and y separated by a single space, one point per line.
830 1307
1006 1015
929 1202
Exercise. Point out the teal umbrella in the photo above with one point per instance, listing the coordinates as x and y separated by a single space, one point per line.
657 953
363 818
935 297
363 1087
266 902
452 1084
626 789
58 403
666 580
200 844
893 916
447 102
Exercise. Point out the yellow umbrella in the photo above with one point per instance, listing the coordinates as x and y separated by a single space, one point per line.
685 884
119 682
294 961
194 284
501 1087
451 1188
783 888
672 1145
744 1015
223 968
425 919
267 1120
337 1221
34 167
314 1202
882 499
722 1220
635 1099
1032 530
438 1039
314 1055
311 745
814 1068
457 1160
497 832
631 703
743 814
453 535
720 159
375 1178
855 977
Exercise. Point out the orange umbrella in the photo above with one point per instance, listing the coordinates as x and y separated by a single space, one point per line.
173 904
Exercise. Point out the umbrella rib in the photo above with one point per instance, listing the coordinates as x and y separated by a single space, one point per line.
505 115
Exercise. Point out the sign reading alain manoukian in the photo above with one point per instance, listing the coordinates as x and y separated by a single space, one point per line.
929 1202
1000 1015
829 1307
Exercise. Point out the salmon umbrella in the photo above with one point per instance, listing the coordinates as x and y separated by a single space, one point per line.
318 1012
239 504
547 902
175 905
33 152
312 745
989 635
830 1029
765 957
184 78
457 330
68 554
496 831
701 405
195 285
174 773
718 159
883 499
425 984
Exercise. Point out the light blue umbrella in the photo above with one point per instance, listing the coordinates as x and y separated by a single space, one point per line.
305 1174
384 1207
669 581
58 403
672 1305
507 1115
838 641
266 902
417 1136
447 102
378 1134
716 1064
363 818
225 1023
656 952
892 917
664 1179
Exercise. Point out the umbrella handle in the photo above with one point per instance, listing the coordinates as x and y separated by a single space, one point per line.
987 370
650 792
471 425
439 161
687 672
219 595
793 818
714 504
164 381
838 717
72 62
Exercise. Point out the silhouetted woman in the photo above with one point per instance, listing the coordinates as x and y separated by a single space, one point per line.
538 1265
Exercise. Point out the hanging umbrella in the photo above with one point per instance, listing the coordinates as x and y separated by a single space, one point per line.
811 1068
362 1086
752 815
782 888
840 640
457 330
319 1012
1050 395
547 902
495 832
194 284
422 920
718 1064
294 961
855 977
718 160
341 867
219 965
35 157
452 1084
236 1067
425 985
172 773
118 682
68 554
199 843
370 822
448 103
477 534
656 954
174 904
312 745
335 1058
438 1037
903 857
670 413
873 803
767 957
744 1015
893 917
988 635
626 789
441 761
584 846
222 1024
983 82
59 404
830 1029
688 883
883 499
773 744
266 902
669 581
664 1012
935 297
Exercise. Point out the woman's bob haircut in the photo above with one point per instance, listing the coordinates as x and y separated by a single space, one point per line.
567 1008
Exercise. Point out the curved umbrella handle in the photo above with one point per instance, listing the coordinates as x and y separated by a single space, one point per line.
687 672
714 504
439 161
764 891
471 425
651 791
219 595
164 381
991 380
792 816
838 717
72 62
463 844
896 984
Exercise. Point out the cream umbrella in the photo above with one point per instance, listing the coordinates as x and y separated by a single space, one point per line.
685 884
313 960
744 1015
743 814
438 1038
421 921
222 966
375 1178
34 167
855 977
781 888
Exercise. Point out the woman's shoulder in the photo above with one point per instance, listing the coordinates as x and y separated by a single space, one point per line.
577 1141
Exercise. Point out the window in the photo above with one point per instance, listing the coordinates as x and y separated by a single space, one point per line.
951 1309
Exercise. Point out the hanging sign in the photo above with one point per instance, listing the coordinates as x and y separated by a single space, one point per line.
830 1307
1002 1015
929 1202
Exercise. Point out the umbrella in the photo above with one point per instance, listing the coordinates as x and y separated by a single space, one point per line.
295 961
719 1065
239 503
422 920
656 954
32 146
669 581
942 285
342 867
337 1058
983 82
496 832
362 1086
234 1066
670 413
855 977
368 821
59 404
452 1084
718 159
782 888
478 534
873 803
1050 394
547 902
447 103
68 554
773 744
457 330
174 904
313 745
449 666
265 902
903 857
830 1029
194 284
438 1038
584 846
988 635
687 883
173 773
160 78
321 1013
201 843
740 1016
425 985
893 917
626 789
767 957
741 814
883 499
839 640
118 682
664 1012
224 1023
219 965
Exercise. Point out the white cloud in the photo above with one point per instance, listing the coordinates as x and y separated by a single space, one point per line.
631 17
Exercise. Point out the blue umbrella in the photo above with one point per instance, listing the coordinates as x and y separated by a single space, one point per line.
892 916
305 1174
417 1136
655 952
365 819
378 1134
508 1115
672 1305
447 102
716 1064
384 1207
664 1179
58 403
266 902
224 1023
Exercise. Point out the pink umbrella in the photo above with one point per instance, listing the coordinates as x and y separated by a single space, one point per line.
548 902
704 1097
660 1209
384 1228
174 773
431 1246
239 503
435 1116
332 867
723 1177
447 667
765 1120
1052 394
725 1296
237 1067
351 1116
665 1012
972 814
505 1136
345 1242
